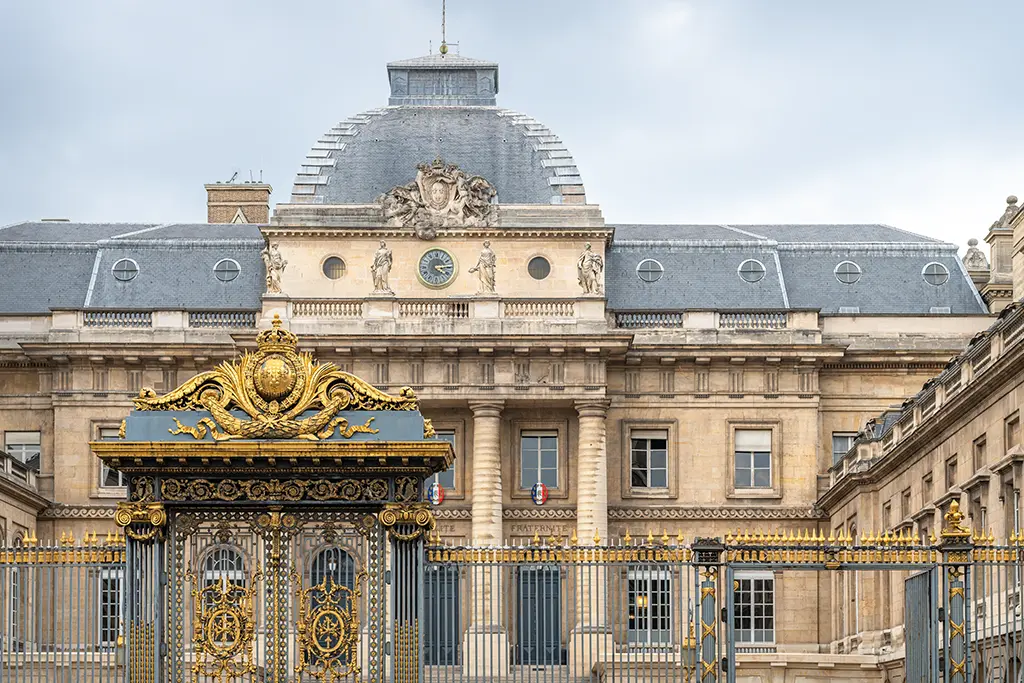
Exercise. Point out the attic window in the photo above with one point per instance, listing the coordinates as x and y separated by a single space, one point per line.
125 270
935 274
847 272
226 270
649 270
751 270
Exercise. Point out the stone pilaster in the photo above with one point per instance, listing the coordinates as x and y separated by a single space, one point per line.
592 463
487 499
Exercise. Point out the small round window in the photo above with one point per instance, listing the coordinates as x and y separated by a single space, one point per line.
334 268
935 274
752 270
847 272
125 270
538 267
649 270
227 270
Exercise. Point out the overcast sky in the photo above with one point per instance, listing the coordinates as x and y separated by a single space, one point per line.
901 112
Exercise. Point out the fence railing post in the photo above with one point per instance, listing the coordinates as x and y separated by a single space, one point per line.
707 560
956 547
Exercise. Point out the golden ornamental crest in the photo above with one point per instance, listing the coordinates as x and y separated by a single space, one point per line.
328 629
274 386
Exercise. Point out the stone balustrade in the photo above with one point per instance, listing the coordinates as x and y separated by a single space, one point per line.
228 319
433 308
117 319
717 320
15 470
327 308
540 308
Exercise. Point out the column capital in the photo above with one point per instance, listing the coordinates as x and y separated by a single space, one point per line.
487 408
594 407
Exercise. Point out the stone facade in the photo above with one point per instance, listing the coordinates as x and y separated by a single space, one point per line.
544 364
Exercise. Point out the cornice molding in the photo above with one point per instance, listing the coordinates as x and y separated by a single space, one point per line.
61 511
538 513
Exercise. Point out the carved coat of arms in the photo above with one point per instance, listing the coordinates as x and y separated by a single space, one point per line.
441 196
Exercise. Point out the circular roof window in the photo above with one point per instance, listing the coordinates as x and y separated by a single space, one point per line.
334 268
649 270
935 274
538 267
125 270
227 269
847 272
751 270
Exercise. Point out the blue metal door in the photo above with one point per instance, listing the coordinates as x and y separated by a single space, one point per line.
540 616
921 619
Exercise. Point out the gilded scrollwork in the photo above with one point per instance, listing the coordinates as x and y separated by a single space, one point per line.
274 386
407 522
327 630
290 490
224 628
140 521
406 489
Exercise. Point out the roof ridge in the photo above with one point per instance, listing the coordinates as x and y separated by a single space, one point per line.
136 232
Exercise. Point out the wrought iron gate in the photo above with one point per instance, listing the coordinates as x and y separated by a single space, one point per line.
271 501
921 607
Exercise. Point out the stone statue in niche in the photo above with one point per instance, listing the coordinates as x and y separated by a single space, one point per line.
380 268
441 196
484 269
589 267
975 259
275 264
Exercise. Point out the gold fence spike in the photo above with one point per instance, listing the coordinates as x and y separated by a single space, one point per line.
536 538
650 537
597 537
627 539
679 538
664 536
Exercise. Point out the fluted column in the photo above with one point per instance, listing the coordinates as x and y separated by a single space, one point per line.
487 505
592 463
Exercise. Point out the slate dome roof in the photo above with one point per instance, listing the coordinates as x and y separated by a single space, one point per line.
439 107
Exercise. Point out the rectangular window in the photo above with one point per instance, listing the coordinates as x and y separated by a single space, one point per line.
951 472
753 458
649 595
16 611
926 489
979 453
447 478
23 446
109 477
649 458
754 607
538 459
886 516
905 504
842 442
110 605
1013 431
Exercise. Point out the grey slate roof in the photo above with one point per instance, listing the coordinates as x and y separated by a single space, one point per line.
701 263
69 265
367 155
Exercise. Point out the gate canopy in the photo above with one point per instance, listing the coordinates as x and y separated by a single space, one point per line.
276 425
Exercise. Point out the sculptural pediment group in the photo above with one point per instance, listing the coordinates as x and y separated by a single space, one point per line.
441 196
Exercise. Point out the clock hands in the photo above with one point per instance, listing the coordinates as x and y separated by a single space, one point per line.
441 267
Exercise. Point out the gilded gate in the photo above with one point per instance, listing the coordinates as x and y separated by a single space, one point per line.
270 500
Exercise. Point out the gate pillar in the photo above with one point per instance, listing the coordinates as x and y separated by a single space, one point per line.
956 547
143 521
707 560
408 526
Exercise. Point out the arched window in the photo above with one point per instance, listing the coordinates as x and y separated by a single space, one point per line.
224 562
335 563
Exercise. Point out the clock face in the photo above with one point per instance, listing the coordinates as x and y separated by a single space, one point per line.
437 268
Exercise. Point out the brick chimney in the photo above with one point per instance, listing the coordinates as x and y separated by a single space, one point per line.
238 203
